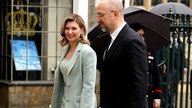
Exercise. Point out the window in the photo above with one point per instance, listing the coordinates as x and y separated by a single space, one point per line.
172 0
138 2
30 30
155 2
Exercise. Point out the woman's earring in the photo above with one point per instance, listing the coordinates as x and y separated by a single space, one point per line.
80 36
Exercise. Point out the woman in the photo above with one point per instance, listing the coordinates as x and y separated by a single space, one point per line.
75 76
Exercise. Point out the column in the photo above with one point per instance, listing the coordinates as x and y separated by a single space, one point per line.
164 1
147 4
190 3
81 7
127 3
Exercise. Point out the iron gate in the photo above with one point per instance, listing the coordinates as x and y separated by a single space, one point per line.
173 59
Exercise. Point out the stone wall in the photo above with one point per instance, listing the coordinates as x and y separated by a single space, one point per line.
25 94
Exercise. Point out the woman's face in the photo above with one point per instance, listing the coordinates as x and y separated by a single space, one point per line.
73 31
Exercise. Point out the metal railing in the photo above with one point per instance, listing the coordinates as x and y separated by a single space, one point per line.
173 59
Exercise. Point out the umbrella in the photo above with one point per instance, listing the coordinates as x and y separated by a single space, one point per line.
98 40
156 30
171 7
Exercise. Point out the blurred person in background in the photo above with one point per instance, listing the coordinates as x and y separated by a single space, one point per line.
154 93
178 65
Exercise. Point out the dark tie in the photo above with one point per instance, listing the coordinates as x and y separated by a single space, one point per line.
107 45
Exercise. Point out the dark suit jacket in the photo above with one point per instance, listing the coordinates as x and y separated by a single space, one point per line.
177 65
124 72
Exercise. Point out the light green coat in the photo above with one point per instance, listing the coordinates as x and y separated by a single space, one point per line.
79 88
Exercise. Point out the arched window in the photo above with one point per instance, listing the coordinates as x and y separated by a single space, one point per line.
138 2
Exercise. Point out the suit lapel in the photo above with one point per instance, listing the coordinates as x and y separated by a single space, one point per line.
65 50
75 56
117 40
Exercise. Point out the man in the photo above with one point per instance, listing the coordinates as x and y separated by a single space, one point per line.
124 70
178 66
154 93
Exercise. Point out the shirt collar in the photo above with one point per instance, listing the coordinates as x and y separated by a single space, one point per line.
116 32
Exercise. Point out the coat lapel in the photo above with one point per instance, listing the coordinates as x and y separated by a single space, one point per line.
117 40
75 56
65 50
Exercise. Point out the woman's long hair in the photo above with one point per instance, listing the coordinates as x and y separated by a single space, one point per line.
79 20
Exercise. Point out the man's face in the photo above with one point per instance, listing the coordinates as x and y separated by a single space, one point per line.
103 17
141 33
171 40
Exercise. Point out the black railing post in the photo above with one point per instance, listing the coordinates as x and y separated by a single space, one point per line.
181 25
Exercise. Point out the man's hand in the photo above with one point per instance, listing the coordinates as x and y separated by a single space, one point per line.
156 103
